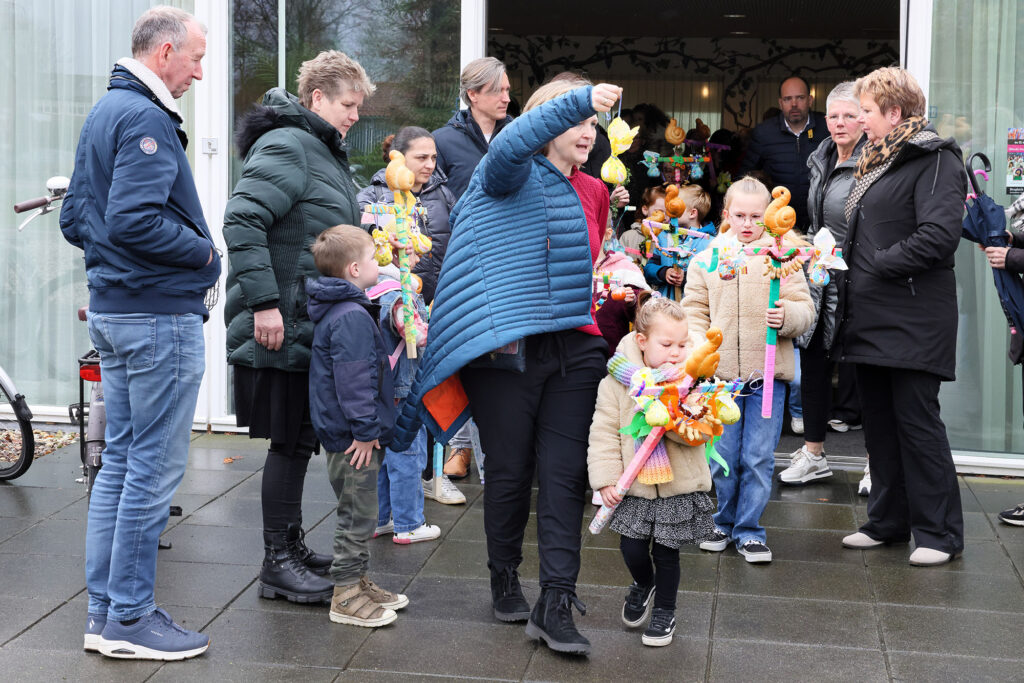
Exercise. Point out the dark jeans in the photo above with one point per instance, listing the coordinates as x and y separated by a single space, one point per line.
664 574
913 481
816 386
284 475
538 419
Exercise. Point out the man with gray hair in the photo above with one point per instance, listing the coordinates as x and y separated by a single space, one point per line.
149 258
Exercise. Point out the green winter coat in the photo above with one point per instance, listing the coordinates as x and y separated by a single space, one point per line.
295 184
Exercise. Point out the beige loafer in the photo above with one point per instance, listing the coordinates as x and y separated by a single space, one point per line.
860 541
929 557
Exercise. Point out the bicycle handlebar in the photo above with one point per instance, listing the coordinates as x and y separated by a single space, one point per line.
30 204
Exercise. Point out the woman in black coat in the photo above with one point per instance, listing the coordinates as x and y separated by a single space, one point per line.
898 316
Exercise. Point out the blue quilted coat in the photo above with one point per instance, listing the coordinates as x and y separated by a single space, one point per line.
518 262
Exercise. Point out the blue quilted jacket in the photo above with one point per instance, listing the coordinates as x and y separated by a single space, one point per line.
518 262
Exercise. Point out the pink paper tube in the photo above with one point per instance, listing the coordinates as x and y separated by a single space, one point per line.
769 380
603 515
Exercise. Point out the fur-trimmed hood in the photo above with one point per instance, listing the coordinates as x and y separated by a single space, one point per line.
278 109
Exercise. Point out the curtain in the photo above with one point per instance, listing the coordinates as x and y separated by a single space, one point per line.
976 94
59 55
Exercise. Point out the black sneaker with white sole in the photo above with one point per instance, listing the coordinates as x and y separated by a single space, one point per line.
1014 516
638 604
716 542
755 551
659 632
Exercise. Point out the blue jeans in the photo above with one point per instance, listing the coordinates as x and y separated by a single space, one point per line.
152 365
468 436
796 404
400 486
749 448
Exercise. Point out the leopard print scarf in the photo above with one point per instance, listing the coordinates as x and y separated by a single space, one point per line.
876 158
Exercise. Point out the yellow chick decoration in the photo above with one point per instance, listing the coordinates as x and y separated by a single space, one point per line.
620 135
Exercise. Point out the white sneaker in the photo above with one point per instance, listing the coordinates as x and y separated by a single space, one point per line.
842 427
929 557
426 532
860 541
447 493
804 466
864 487
388 528
797 425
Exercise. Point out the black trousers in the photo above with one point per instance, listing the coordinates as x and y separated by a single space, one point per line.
913 482
284 475
664 574
816 386
538 420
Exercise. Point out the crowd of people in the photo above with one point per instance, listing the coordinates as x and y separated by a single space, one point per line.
317 333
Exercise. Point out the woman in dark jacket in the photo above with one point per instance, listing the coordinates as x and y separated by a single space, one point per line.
295 184
898 316
431 190
832 166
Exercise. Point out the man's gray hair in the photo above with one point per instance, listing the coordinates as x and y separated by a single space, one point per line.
159 25
842 93
480 74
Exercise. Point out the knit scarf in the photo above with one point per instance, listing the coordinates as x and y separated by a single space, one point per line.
876 158
657 469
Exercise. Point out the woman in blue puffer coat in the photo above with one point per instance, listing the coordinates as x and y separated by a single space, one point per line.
512 315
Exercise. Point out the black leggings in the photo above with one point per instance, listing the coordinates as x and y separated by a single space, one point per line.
664 574
283 477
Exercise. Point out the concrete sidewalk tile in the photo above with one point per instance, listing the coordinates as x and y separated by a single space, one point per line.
811 545
223 667
10 526
444 648
979 556
248 512
57 577
923 586
788 579
951 631
457 599
621 656
226 459
213 482
49 537
604 612
53 474
197 584
365 676
34 502
834 490
240 442
316 488
396 558
740 660
34 666
258 637
796 621
469 559
975 524
20 613
213 544
808 516
916 666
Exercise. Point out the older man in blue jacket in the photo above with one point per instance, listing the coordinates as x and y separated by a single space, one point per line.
149 259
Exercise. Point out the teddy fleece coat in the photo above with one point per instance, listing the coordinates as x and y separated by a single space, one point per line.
611 452
737 307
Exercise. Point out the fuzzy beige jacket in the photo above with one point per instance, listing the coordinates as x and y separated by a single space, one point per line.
610 452
738 308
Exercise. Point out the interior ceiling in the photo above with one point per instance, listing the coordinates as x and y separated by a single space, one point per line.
780 19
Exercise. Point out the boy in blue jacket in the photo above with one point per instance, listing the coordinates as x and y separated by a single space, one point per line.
670 281
352 405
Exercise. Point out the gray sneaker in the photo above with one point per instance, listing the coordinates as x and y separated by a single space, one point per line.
804 466
443 491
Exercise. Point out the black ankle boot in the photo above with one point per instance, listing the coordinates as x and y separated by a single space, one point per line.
284 575
316 562
551 621
507 597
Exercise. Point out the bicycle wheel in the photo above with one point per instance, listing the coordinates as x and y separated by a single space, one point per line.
17 445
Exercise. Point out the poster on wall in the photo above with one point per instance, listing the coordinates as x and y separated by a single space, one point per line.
1015 161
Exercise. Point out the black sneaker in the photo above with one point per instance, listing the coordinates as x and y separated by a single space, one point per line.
507 597
755 551
551 621
716 542
1014 516
638 604
659 632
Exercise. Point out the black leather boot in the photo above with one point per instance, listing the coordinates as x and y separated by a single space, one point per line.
316 562
507 597
284 575
551 621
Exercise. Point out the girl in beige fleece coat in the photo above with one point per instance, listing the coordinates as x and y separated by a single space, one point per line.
740 308
668 514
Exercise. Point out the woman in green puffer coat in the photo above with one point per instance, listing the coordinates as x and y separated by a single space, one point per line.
295 184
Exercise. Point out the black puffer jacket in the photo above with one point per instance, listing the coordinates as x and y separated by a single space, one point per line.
438 201
826 200
295 184
460 147
898 300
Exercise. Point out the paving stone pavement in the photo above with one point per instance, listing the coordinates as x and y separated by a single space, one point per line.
817 612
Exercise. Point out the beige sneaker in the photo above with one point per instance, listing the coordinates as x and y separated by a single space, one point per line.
385 599
353 605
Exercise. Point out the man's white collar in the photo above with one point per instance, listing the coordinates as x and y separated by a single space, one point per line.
153 82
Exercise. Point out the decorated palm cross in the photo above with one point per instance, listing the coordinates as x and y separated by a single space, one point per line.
780 262
674 244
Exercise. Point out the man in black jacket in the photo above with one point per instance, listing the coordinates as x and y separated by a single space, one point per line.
780 146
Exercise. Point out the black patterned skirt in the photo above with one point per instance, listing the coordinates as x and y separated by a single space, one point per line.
672 522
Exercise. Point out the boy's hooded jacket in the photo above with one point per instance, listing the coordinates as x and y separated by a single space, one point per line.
351 391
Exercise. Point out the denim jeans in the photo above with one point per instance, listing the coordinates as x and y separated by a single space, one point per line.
468 436
749 448
400 488
152 365
796 406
